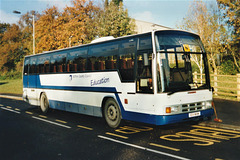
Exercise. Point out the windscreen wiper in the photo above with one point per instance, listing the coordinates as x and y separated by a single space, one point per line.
178 90
172 92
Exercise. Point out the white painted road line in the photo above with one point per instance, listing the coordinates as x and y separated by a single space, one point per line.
143 148
10 110
58 124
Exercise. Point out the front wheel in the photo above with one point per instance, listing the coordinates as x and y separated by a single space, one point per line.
44 104
112 113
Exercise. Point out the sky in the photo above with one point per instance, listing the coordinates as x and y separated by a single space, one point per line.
163 12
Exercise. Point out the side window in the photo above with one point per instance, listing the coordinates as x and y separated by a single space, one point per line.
126 59
145 42
32 65
26 64
43 64
58 62
103 56
77 60
110 52
111 62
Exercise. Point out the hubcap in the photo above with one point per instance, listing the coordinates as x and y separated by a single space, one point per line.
112 113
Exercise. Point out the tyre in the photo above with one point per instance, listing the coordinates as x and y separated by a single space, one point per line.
44 104
112 113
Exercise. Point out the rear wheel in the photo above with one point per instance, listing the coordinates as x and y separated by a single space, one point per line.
44 104
112 113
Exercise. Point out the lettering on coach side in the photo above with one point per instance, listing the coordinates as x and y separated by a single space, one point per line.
100 81
75 76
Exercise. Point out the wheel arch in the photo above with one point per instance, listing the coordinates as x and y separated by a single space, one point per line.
40 95
104 101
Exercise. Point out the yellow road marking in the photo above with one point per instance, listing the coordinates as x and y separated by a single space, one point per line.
184 137
42 116
214 134
17 109
116 135
61 121
9 107
1 105
166 147
84 127
216 129
29 112
132 130
198 135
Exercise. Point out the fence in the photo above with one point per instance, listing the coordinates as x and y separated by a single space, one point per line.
225 86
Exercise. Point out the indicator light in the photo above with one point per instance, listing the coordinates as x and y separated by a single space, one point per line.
168 109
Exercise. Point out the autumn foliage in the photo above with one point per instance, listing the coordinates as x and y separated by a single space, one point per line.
77 24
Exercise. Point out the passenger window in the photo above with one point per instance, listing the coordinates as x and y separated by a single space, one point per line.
111 62
77 60
103 56
91 63
145 42
26 65
32 65
127 58
58 63
43 64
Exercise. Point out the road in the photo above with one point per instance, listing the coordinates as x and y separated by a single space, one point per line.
26 133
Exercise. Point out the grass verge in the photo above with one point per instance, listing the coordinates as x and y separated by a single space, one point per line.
11 86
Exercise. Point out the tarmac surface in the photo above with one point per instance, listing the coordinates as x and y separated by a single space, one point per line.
228 111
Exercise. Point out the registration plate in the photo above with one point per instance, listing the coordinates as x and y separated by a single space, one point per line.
194 114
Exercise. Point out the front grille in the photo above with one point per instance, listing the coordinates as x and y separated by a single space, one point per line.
192 107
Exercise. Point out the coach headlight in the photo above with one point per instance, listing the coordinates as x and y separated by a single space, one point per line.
174 108
207 104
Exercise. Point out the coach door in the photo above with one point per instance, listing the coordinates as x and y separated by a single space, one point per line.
25 72
144 72
32 79
32 76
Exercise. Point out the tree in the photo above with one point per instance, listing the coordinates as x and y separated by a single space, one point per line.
117 2
56 30
16 42
77 24
80 24
114 21
46 30
231 13
3 28
80 21
11 51
207 24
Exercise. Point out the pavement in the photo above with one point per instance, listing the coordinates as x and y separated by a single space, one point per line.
228 111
